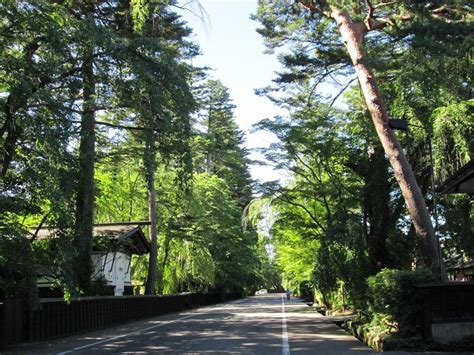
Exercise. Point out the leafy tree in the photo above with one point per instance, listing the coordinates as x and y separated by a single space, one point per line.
38 83
202 246
452 136
77 82
18 277
190 268
36 59
315 28
121 190
152 85
217 224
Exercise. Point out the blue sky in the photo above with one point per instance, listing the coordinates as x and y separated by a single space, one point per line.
234 50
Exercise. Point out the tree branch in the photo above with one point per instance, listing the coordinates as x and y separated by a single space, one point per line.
303 207
342 91
315 10
35 235
448 10
133 128
382 4
370 14
308 6
113 125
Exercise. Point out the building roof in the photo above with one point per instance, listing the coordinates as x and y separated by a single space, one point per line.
462 266
124 234
461 182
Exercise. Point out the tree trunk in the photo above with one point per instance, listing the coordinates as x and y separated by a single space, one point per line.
150 168
377 206
85 189
352 34
166 247
209 155
13 131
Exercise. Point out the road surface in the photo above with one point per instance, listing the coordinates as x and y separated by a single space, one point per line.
266 324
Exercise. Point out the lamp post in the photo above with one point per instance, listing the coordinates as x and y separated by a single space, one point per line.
402 125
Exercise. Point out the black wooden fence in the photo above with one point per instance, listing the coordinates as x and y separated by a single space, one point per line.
57 318
449 302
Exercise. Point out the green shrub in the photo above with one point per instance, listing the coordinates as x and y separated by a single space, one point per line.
99 287
395 302
17 273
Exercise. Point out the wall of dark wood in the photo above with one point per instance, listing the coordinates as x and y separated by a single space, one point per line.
450 302
57 318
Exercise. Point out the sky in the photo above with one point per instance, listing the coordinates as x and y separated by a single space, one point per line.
234 50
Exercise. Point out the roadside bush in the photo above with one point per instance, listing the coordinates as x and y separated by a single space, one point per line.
394 302
99 287
17 274
53 257
306 291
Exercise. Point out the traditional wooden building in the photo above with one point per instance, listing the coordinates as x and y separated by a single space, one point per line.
460 182
113 247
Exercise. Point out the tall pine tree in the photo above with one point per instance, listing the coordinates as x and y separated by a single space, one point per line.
220 141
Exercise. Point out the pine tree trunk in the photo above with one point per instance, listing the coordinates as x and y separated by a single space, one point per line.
166 247
352 34
209 155
150 168
377 206
85 189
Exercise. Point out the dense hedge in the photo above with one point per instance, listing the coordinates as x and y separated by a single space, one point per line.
17 273
395 302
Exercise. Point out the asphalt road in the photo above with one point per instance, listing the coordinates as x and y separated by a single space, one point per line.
261 325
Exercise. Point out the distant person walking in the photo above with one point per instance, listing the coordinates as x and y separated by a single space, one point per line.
288 294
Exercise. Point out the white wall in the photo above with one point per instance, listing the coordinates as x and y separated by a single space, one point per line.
114 267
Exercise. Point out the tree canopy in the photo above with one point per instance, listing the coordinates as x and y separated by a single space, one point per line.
346 200
105 119
98 124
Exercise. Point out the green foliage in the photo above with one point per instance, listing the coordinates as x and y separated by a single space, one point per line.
219 141
138 78
342 202
218 217
121 191
458 242
201 244
293 255
53 257
317 215
453 137
140 11
191 268
18 272
394 300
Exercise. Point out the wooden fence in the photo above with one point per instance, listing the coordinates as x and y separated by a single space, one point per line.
448 311
57 318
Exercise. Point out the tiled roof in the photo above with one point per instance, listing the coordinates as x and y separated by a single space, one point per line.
128 234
